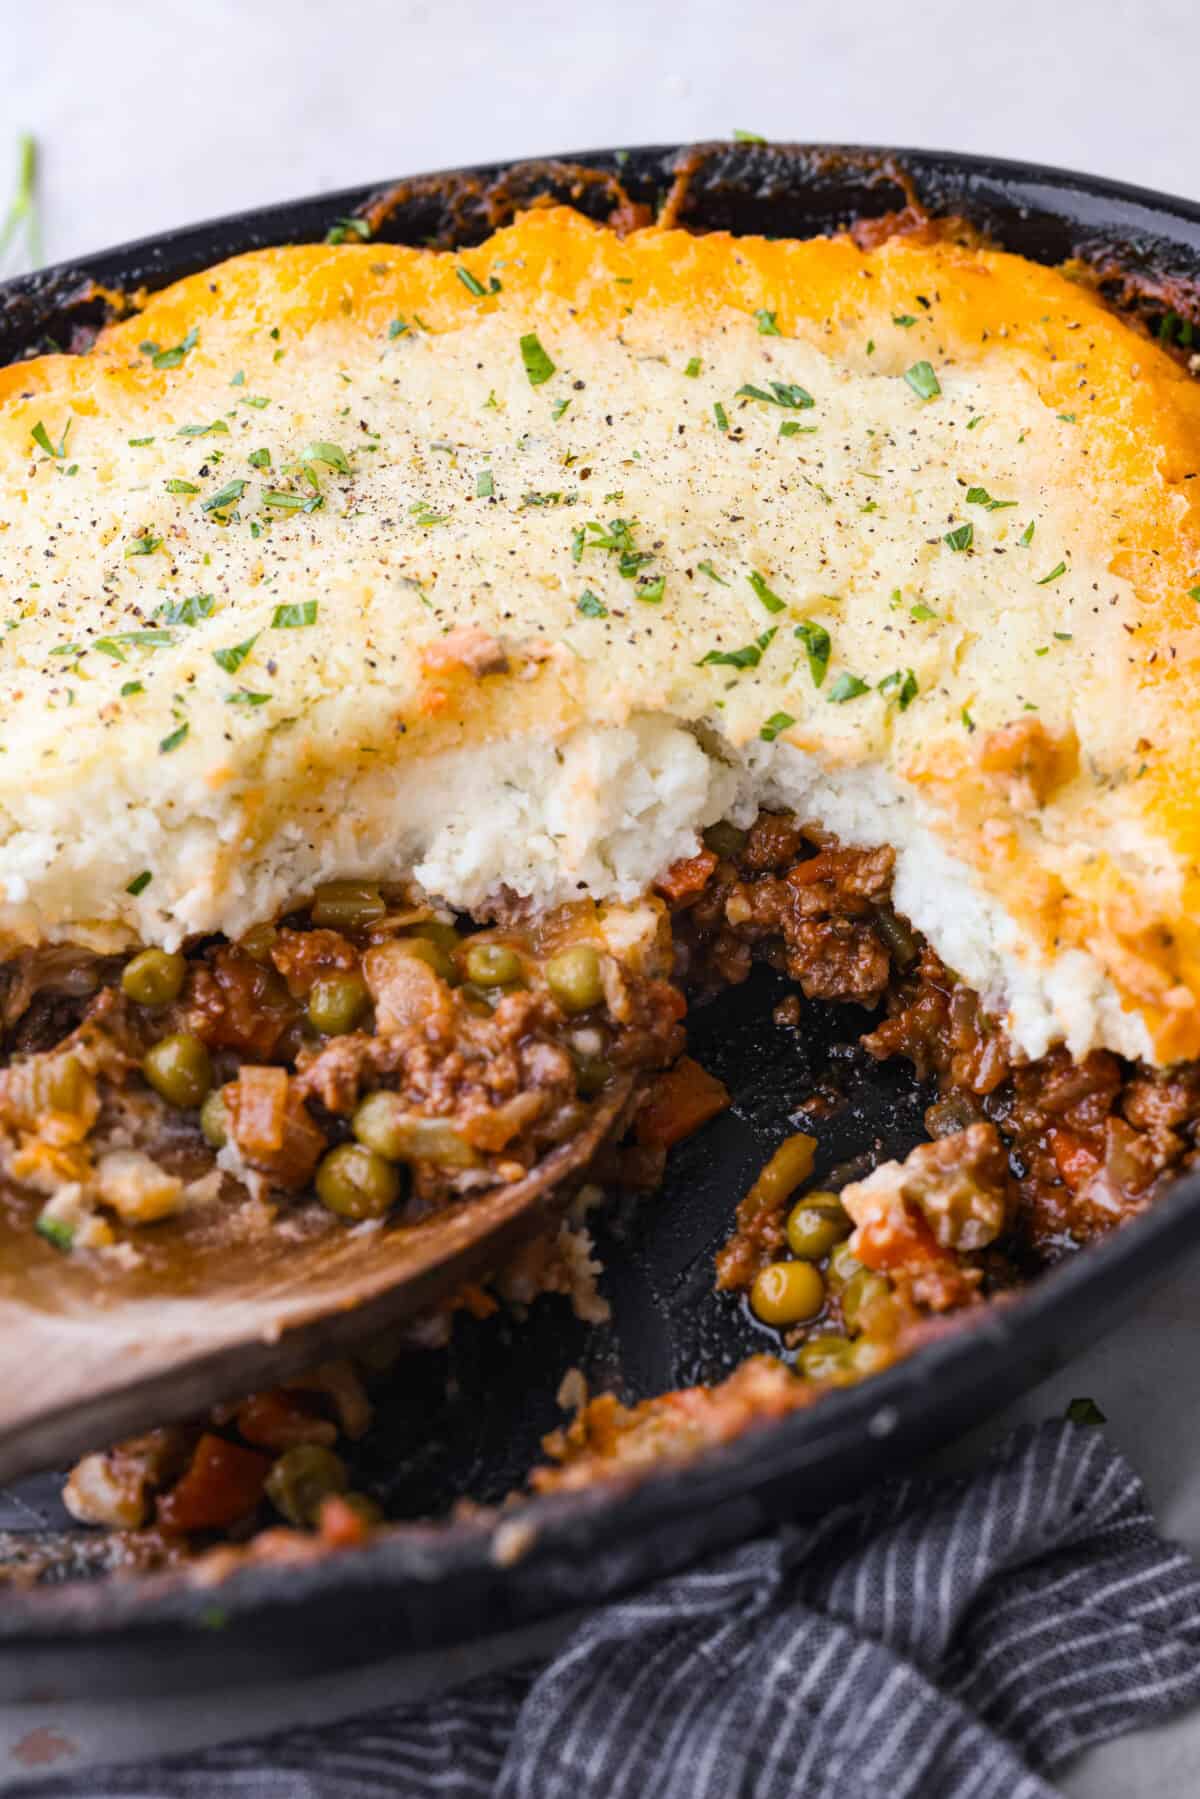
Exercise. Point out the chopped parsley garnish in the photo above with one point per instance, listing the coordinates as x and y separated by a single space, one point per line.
693 367
706 568
225 497
238 380
129 688
977 420
616 539
903 319
485 484
217 427
961 538
231 660
968 721
590 605
923 381
41 438
1194 593
1026 537
921 612
979 496
187 612
397 328
1064 636
469 282
749 656
1085 1411
793 428
901 686
139 883
815 639
145 545
173 741
55 1230
244 697
329 455
290 618
558 408
259 459
748 137
846 687
783 393
770 600
342 229
538 366
1060 568
173 357
139 443
1068 418
182 487
778 721
721 417
767 324
651 590
283 501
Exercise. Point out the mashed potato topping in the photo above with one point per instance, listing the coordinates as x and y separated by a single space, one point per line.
515 568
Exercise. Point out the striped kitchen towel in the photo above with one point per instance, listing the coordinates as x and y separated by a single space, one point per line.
941 1639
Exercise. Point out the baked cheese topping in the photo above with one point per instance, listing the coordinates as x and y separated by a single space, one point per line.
514 567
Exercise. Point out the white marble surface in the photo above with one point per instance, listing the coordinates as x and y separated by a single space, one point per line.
149 117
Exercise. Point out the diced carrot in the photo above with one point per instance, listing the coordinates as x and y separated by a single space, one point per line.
680 1102
1076 1163
341 1526
687 878
222 1484
280 1418
474 1299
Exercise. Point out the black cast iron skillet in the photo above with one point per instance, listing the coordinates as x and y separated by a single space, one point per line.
467 1421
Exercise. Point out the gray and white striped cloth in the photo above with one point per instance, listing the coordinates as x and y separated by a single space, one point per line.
941 1639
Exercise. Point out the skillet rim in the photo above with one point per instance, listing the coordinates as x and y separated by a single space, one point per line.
740 1484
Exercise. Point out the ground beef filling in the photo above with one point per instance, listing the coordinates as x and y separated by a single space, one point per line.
1026 1160
393 1062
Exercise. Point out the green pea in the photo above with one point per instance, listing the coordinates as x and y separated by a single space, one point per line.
178 1069
258 942
816 1225
347 905
861 1294
574 977
724 839
438 931
153 978
786 1293
357 1183
434 955
492 965
214 1120
302 1479
383 1124
823 1357
336 1003
842 1267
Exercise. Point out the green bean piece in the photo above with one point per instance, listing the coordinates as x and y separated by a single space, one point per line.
575 979
347 905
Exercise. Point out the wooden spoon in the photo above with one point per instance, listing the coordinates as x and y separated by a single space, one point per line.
92 1352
